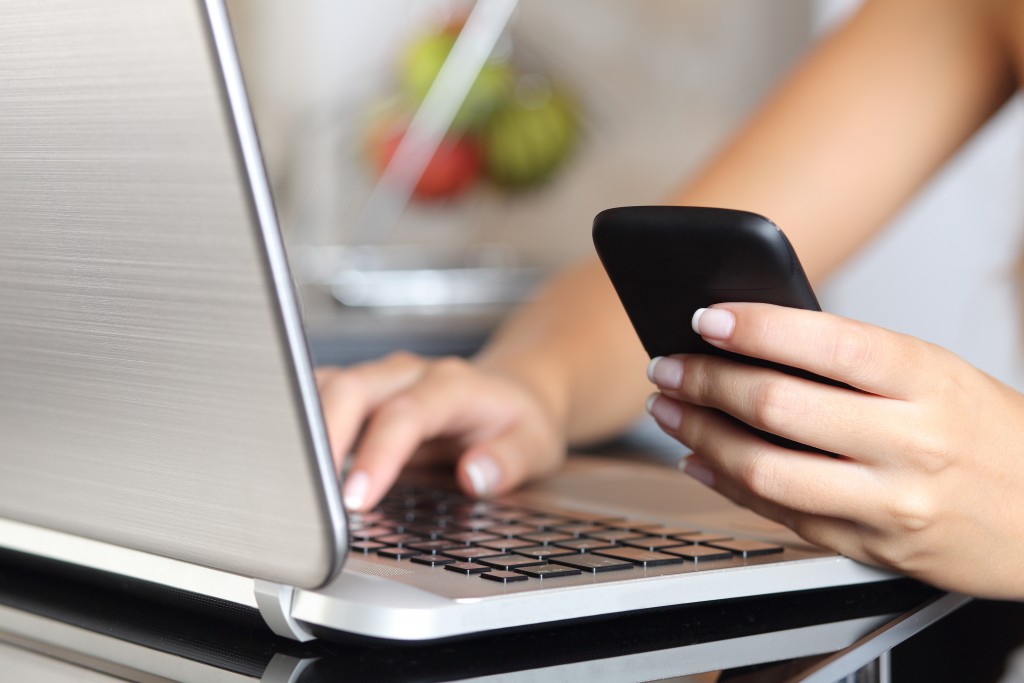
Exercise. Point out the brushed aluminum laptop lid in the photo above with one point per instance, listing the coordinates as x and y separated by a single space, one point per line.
155 388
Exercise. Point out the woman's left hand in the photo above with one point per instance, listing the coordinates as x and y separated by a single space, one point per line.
930 481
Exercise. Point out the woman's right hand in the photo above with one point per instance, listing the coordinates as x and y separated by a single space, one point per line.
497 430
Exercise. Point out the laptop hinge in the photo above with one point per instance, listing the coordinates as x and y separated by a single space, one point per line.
275 604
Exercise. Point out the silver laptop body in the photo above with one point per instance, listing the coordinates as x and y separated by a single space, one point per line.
158 413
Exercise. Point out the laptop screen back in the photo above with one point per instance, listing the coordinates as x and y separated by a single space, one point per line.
154 389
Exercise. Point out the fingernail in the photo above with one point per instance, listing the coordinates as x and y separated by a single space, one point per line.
668 413
713 323
484 475
698 470
356 485
666 372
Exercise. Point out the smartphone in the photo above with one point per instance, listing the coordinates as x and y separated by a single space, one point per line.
665 262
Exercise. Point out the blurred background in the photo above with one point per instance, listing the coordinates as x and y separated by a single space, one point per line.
577 106
423 196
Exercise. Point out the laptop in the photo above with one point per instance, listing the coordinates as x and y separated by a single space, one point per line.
159 419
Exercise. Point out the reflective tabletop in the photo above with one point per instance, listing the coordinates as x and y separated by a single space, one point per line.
58 623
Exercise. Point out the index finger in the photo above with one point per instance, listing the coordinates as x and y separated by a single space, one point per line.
864 356
348 396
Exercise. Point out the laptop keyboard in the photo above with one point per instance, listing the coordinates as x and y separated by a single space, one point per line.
508 544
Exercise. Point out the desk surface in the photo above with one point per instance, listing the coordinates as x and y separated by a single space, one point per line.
130 632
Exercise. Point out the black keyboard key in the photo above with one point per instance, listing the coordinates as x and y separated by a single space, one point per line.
474 509
367 547
398 553
401 519
503 576
399 503
370 533
579 528
432 560
543 521
475 523
395 526
614 535
746 548
507 515
431 533
435 546
399 539
592 563
365 518
470 553
666 531
543 552
644 558
545 537
584 545
445 521
506 544
468 537
699 553
703 537
549 571
510 529
651 543
510 562
467 568
592 518
630 524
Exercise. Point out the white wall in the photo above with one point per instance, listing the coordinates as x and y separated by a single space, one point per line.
943 271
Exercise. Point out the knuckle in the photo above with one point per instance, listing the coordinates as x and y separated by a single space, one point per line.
775 404
689 433
932 450
400 408
402 358
343 384
449 375
698 381
693 431
760 474
325 373
449 365
850 349
811 529
959 384
913 510
892 551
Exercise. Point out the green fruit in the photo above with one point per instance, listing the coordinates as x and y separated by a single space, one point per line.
523 144
421 63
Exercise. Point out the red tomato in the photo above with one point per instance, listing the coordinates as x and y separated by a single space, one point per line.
453 168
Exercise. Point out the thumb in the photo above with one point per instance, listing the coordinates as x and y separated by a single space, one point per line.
504 463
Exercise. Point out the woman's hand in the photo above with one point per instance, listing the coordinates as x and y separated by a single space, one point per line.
931 478
494 427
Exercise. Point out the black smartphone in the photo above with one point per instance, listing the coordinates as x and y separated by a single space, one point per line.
665 262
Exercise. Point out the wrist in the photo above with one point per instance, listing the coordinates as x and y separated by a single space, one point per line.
539 378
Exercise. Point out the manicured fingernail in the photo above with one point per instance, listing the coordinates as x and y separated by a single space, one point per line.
668 413
713 323
698 470
666 372
484 475
356 485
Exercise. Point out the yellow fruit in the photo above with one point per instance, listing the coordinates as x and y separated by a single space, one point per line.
422 61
